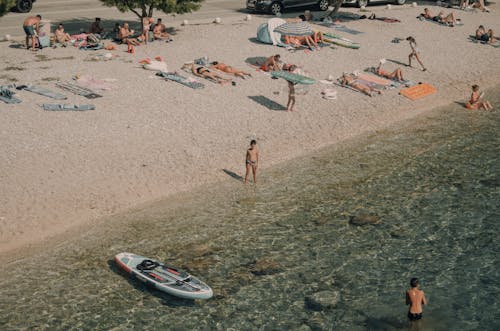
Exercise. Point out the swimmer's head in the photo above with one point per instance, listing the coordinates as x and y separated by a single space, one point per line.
414 282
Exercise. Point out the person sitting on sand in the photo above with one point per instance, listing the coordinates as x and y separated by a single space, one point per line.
160 31
60 35
228 69
96 27
31 27
203 72
352 82
318 35
479 4
476 101
125 35
272 63
396 74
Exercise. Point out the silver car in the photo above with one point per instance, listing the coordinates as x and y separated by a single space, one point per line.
277 6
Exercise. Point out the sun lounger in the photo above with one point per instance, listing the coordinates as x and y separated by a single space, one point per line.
181 80
7 96
79 90
42 91
59 107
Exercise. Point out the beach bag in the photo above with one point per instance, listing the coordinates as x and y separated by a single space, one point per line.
44 41
92 38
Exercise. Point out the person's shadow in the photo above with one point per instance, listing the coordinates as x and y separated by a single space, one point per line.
233 175
266 102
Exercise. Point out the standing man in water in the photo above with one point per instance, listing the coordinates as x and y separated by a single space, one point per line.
31 27
251 161
415 298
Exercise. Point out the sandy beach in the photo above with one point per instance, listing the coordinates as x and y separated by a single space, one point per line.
148 138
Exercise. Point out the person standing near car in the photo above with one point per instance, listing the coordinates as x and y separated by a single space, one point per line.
31 27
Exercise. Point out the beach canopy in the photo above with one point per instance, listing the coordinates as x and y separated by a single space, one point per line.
293 78
266 34
295 29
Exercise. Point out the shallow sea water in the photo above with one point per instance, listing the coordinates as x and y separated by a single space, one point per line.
434 182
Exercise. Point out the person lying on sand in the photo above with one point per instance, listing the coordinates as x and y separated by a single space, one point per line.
203 72
160 31
301 41
272 63
440 17
125 35
228 69
396 74
60 35
476 101
351 81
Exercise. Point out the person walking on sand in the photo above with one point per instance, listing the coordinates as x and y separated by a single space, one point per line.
252 161
476 101
31 27
415 298
414 52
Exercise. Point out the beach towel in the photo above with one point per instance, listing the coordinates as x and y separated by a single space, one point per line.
79 90
94 84
58 107
42 91
418 91
181 80
7 96
188 70
91 47
381 81
496 44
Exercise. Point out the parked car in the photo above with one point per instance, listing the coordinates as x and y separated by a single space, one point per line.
23 6
277 6
364 3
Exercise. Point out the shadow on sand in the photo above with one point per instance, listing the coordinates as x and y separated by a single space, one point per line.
233 175
266 102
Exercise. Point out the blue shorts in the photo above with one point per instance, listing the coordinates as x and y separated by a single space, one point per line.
28 29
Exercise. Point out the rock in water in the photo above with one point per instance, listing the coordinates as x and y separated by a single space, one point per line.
265 266
361 220
322 300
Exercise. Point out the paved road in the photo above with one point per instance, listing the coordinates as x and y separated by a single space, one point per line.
79 13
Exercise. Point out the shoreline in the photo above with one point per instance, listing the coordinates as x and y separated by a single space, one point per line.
119 171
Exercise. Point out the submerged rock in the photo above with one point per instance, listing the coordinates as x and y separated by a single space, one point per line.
322 300
363 219
265 266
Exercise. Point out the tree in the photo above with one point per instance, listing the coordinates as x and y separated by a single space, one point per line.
6 6
144 8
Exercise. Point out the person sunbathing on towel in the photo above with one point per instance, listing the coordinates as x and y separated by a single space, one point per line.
301 41
203 72
440 18
396 74
230 70
272 63
351 81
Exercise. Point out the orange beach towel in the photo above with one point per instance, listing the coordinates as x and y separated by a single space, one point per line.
418 91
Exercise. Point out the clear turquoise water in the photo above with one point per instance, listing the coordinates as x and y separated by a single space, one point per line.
434 183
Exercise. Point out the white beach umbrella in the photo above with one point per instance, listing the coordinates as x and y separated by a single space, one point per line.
294 29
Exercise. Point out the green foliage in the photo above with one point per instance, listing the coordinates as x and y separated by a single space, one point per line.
6 6
144 8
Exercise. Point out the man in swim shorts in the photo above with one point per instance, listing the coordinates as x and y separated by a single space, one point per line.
31 27
251 161
415 298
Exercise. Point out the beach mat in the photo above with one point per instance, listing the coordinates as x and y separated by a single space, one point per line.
181 80
458 23
375 79
395 82
418 91
60 107
42 91
473 39
79 90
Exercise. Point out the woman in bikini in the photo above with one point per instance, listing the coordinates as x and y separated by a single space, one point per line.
396 74
475 101
206 73
414 52
228 69
125 35
351 81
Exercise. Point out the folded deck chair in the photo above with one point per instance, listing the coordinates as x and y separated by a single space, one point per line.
42 91
7 95
57 107
79 90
